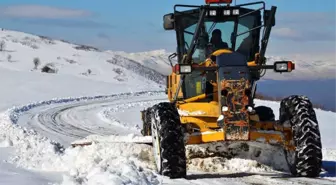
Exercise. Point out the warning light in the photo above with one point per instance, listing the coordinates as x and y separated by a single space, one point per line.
218 1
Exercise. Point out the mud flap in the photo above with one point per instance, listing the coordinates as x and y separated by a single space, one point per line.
237 130
234 132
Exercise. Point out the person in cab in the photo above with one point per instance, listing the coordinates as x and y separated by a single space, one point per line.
217 42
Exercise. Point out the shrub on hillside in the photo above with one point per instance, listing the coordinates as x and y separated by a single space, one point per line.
86 48
29 43
118 70
49 68
34 46
46 39
88 72
70 61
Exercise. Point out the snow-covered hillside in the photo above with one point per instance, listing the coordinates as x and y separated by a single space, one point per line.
157 60
70 59
78 60
41 114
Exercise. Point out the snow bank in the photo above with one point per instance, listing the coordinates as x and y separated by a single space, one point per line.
102 162
117 163
106 163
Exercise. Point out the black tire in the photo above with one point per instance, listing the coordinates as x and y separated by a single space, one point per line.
306 160
265 113
172 159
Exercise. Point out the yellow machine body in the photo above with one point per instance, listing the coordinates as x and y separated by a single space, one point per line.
201 118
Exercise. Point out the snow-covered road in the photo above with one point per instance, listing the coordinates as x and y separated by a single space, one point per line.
117 117
67 122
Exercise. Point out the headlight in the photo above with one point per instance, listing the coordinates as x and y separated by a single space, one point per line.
227 12
182 68
249 109
235 12
212 12
185 69
281 67
225 108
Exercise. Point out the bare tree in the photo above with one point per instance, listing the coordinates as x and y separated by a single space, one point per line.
36 62
9 58
2 45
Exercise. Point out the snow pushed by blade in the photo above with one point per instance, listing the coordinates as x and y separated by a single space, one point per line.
103 163
106 163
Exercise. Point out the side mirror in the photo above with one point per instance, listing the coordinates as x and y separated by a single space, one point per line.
168 21
170 58
267 14
284 66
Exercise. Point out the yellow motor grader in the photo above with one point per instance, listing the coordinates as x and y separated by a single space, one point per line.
220 57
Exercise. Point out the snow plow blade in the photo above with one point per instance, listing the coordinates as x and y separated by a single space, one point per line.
131 139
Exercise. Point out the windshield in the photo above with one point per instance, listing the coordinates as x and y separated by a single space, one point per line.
215 33
220 34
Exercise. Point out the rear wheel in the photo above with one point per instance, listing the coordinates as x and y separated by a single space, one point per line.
168 141
306 160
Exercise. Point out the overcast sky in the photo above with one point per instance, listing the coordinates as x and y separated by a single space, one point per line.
303 26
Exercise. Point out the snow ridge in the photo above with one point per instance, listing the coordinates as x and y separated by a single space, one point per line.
138 68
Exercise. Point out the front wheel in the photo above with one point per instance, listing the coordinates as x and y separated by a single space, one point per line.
306 159
168 141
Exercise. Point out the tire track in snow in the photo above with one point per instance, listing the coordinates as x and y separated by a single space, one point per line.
75 120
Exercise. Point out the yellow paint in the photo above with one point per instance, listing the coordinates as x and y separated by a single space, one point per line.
215 136
251 64
209 109
206 138
221 51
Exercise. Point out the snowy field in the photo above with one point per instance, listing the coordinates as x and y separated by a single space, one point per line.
42 114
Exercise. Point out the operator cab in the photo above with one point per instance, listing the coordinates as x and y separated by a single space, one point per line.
203 30
239 27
